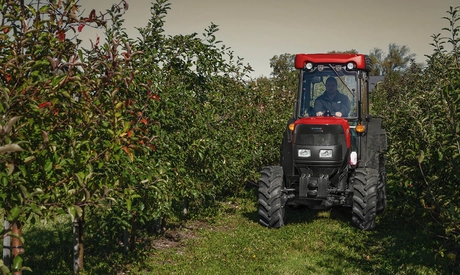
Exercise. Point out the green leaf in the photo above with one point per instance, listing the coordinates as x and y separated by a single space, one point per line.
44 8
4 269
66 94
80 177
128 204
42 63
48 165
10 168
4 181
72 212
78 210
34 107
13 213
440 155
57 80
29 159
24 191
421 157
80 55
17 263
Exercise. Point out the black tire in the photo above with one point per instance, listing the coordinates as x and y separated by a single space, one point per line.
365 183
271 206
382 187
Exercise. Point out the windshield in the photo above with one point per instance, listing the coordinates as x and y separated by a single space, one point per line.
328 91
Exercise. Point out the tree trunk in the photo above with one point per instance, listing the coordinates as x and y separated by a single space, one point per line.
125 241
6 245
16 244
78 226
132 240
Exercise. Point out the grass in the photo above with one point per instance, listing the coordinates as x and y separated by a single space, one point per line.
314 242
232 242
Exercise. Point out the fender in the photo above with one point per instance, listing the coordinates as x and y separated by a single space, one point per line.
374 143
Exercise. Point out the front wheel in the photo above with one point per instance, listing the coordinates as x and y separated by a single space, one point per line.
271 204
365 183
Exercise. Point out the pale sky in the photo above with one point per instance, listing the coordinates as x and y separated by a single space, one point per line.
257 30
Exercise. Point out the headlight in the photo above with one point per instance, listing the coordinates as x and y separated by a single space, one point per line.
325 153
304 153
351 66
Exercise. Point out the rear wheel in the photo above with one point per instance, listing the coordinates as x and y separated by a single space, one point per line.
271 204
365 198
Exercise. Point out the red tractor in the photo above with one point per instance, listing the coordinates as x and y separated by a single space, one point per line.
332 153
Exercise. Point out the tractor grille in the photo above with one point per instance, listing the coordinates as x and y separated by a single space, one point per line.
319 139
319 135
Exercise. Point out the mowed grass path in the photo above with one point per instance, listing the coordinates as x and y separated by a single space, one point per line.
232 242
313 242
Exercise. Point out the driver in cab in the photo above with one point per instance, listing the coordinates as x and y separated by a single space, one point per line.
331 100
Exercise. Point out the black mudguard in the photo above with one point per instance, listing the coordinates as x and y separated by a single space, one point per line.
373 143
286 153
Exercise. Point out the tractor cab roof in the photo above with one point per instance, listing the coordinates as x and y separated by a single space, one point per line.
355 61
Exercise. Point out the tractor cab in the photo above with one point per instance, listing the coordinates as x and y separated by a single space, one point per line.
349 72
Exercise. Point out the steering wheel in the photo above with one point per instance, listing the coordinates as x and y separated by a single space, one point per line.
328 113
